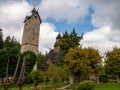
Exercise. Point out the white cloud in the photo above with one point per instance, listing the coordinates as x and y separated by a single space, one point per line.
47 36
106 13
105 18
102 39
12 17
69 10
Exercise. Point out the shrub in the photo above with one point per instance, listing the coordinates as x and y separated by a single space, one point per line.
34 76
103 78
86 85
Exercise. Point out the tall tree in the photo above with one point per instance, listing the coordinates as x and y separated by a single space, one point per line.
8 56
1 39
82 62
112 63
3 61
11 42
69 40
29 60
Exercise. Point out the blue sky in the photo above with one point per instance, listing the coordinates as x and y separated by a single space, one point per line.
99 23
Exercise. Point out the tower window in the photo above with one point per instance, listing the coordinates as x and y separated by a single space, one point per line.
36 17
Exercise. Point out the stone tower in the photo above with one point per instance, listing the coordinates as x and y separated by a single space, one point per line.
30 38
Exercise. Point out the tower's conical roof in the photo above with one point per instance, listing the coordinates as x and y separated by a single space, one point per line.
58 37
34 10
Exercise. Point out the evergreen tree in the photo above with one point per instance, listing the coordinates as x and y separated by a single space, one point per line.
11 42
112 62
1 39
68 41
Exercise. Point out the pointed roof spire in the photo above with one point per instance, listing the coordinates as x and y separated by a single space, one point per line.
34 10
58 37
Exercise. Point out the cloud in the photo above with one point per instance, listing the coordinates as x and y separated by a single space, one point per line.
47 36
106 13
101 39
12 17
105 18
68 10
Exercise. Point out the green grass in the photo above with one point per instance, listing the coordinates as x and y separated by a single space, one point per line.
102 86
42 86
107 86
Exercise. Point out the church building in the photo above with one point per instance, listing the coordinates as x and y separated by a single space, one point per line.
30 38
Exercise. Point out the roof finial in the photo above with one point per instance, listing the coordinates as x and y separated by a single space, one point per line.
34 10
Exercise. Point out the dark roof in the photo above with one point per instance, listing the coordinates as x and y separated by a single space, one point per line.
33 11
54 57
56 44
43 64
58 37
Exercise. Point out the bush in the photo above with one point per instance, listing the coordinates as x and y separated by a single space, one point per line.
86 85
103 78
34 76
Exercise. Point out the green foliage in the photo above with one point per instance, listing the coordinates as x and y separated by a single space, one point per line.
11 42
112 62
8 53
31 59
34 76
86 85
55 73
69 40
83 61
40 57
103 78
1 39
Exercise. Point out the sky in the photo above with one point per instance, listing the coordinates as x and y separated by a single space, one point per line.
97 19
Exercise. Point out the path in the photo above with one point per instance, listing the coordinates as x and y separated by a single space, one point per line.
64 87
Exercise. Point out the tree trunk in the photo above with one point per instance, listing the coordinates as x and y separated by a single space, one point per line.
97 79
118 79
71 79
16 69
22 71
7 68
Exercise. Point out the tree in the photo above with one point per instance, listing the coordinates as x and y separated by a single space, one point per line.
3 61
112 63
68 41
82 62
95 59
55 73
29 60
1 39
8 56
11 42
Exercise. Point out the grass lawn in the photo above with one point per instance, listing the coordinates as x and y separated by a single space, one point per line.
102 86
107 86
42 86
